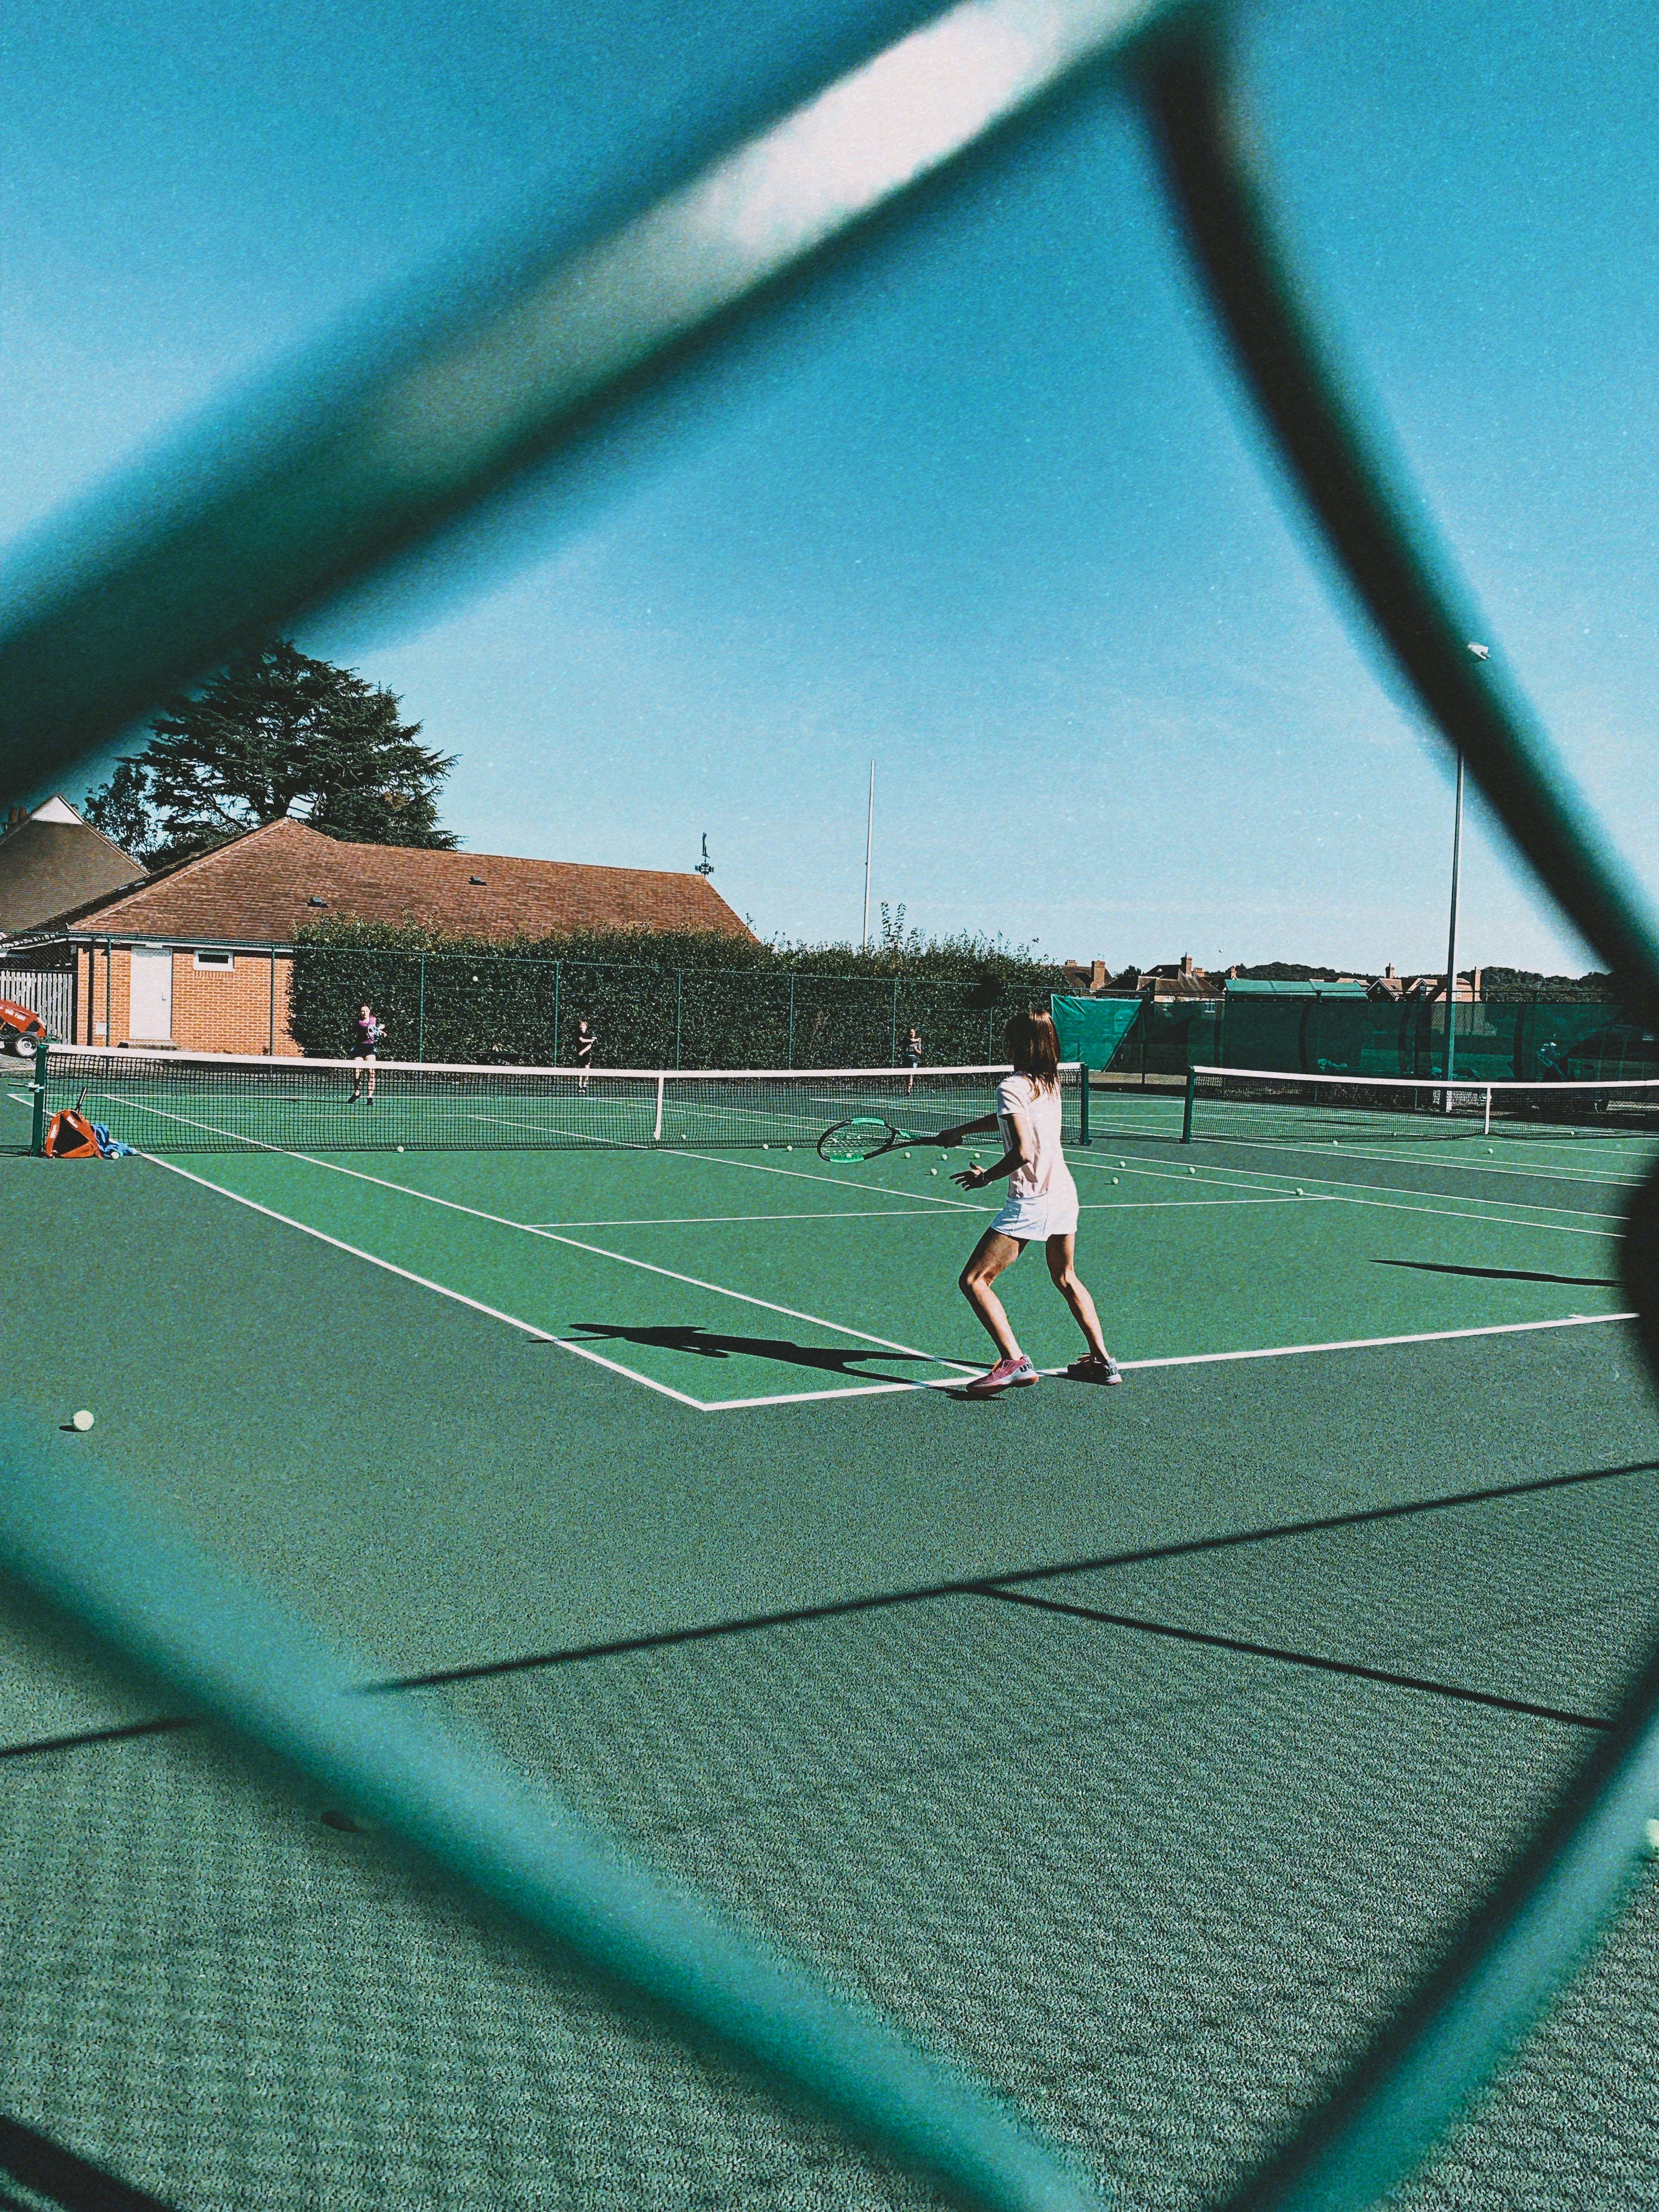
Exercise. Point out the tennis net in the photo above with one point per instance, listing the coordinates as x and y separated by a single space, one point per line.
176 1102
1263 1106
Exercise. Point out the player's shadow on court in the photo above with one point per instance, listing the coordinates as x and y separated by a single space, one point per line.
707 1344
1505 1274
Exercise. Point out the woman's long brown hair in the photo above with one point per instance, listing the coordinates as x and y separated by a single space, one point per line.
1030 1043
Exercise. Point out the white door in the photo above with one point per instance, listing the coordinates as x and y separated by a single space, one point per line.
151 1019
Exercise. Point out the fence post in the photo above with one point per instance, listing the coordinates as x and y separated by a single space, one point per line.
37 1138
892 1053
679 1000
1083 1104
990 1033
789 1057
271 1046
558 966
1192 1092
420 1012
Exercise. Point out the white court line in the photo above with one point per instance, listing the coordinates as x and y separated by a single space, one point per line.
1371 1343
805 1175
600 1251
1202 1358
1545 1171
1397 1190
907 1213
706 1220
530 1328
1346 1194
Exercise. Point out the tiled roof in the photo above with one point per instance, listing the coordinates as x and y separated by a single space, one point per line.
46 866
264 887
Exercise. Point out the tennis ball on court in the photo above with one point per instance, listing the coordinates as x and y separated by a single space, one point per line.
932 1171
1300 1192
1192 1170
906 1156
400 1148
788 1148
1114 1178
83 1420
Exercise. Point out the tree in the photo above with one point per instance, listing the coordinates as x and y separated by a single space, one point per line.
275 733
121 810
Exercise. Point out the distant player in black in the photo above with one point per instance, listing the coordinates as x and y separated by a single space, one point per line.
586 1041
912 1056
370 1030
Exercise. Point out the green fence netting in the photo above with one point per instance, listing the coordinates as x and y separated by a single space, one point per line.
297 499
1536 1042
475 1009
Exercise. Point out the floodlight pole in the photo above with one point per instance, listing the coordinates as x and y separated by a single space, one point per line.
869 841
1451 939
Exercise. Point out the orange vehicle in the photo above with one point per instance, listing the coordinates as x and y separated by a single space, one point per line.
20 1028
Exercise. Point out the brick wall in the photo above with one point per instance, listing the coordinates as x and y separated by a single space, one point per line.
215 1008
230 1009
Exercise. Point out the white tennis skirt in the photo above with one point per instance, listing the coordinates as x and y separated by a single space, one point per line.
1052 1212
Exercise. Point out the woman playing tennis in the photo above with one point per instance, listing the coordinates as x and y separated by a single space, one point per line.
1042 1203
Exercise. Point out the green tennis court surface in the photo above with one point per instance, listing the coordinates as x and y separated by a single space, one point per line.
734 1282
1134 1746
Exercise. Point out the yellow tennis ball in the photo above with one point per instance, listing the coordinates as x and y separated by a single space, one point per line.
83 1420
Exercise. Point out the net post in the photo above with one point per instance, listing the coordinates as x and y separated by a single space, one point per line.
656 1134
1187 1116
1083 1103
38 1136
420 1018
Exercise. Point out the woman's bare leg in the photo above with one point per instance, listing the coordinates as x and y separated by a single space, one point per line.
992 1253
1061 1252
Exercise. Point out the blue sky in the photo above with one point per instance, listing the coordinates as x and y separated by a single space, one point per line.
988 508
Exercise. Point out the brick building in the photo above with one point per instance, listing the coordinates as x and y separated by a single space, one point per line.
200 956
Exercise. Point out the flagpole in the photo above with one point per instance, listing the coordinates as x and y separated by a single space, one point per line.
869 841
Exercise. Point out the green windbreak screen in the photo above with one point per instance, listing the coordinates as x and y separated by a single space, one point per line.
1091 1029
1540 1043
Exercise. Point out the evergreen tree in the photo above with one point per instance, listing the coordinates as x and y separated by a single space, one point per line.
275 733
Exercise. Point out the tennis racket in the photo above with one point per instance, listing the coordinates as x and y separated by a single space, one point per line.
865 1136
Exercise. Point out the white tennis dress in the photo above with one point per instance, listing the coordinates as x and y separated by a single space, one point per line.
1042 1195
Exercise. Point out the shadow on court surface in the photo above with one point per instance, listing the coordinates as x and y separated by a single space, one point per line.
708 1344
1504 1274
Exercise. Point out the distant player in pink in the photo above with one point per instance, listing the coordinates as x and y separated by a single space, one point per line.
365 1043
1041 1204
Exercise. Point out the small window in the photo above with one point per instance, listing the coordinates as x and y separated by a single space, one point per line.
224 961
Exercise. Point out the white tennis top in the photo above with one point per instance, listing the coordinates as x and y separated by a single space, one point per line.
1040 1110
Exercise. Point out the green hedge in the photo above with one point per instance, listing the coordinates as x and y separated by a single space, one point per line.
658 1001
